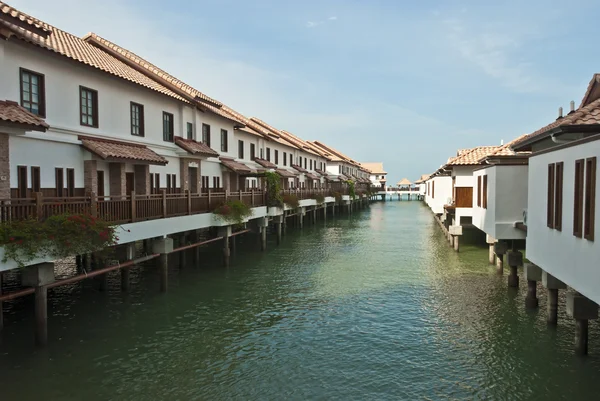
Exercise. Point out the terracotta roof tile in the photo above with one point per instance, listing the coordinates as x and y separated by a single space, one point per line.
235 166
264 163
79 50
404 181
311 176
285 173
95 39
375 168
300 168
586 115
12 112
195 148
323 173
23 19
423 178
113 150
473 156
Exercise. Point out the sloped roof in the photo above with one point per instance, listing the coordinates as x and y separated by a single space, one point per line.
592 91
374 167
285 173
473 156
195 148
112 150
264 163
235 166
79 50
300 168
12 112
404 181
335 155
23 20
586 115
424 177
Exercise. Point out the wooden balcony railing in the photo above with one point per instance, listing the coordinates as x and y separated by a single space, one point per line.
132 208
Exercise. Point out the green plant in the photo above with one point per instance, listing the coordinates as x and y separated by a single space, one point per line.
320 198
273 181
234 212
338 197
56 237
291 201
351 190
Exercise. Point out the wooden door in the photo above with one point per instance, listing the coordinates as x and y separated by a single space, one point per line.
129 183
100 175
464 197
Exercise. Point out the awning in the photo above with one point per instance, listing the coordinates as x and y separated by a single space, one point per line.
324 174
195 148
116 151
264 163
12 113
236 167
312 176
285 173
300 168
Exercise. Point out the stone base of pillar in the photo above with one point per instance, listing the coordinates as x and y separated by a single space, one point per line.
581 336
125 282
500 264
39 276
552 306
163 246
456 243
492 255
513 278
531 300
263 239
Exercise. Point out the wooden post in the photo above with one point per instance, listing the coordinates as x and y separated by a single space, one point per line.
209 199
39 205
164 202
133 206
188 194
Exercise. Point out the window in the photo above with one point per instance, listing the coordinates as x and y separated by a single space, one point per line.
305 162
70 182
216 182
262 155
33 92
484 190
340 169
590 198
190 131
88 107
284 159
311 164
550 196
157 182
206 134
276 156
433 189
168 130
268 154
252 151
224 144
171 183
100 183
578 198
22 181
137 119
152 187
59 181
205 182
35 179
291 159
479 191
240 149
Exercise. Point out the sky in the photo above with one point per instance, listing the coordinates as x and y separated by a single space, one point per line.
406 83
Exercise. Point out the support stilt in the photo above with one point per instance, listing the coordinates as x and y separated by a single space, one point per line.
552 306
163 246
39 276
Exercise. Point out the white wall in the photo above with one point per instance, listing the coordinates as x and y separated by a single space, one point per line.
443 192
560 253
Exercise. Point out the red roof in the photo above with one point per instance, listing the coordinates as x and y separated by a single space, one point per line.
300 168
112 150
236 167
195 148
12 112
264 163
285 173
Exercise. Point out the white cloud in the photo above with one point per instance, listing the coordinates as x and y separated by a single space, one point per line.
332 18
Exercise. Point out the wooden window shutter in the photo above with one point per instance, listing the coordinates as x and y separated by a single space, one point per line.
433 189
485 191
478 191
590 198
578 199
558 196
550 197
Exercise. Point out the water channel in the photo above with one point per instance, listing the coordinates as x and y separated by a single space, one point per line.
375 306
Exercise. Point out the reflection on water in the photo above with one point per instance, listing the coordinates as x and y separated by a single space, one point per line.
375 306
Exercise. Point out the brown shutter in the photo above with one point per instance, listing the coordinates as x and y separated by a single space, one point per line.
35 179
433 189
578 199
59 181
558 196
590 198
478 191
485 191
70 182
550 197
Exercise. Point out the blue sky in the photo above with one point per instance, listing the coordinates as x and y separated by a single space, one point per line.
403 82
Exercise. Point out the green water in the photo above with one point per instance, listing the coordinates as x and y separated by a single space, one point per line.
371 307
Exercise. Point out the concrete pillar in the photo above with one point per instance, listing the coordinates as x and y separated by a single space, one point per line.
163 246
263 238
278 225
325 212
142 179
553 285
300 217
456 243
532 274
515 259
184 174
233 244
117 180
90 176
492 256
182 254
500 249
225 232
98 263
314 215
455 231
38 277
582 310
127 253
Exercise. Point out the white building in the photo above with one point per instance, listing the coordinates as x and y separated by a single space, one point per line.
439 191
378 175
421 183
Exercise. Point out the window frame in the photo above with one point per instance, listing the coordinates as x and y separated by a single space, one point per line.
479 191
36 179
189 132
559 171
206 134
589 207
484 190
95 113
252 151
240 149
284 158
59 181
224 140
276 156
168 136
70 182
41 91
550 183
578 196
140 127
